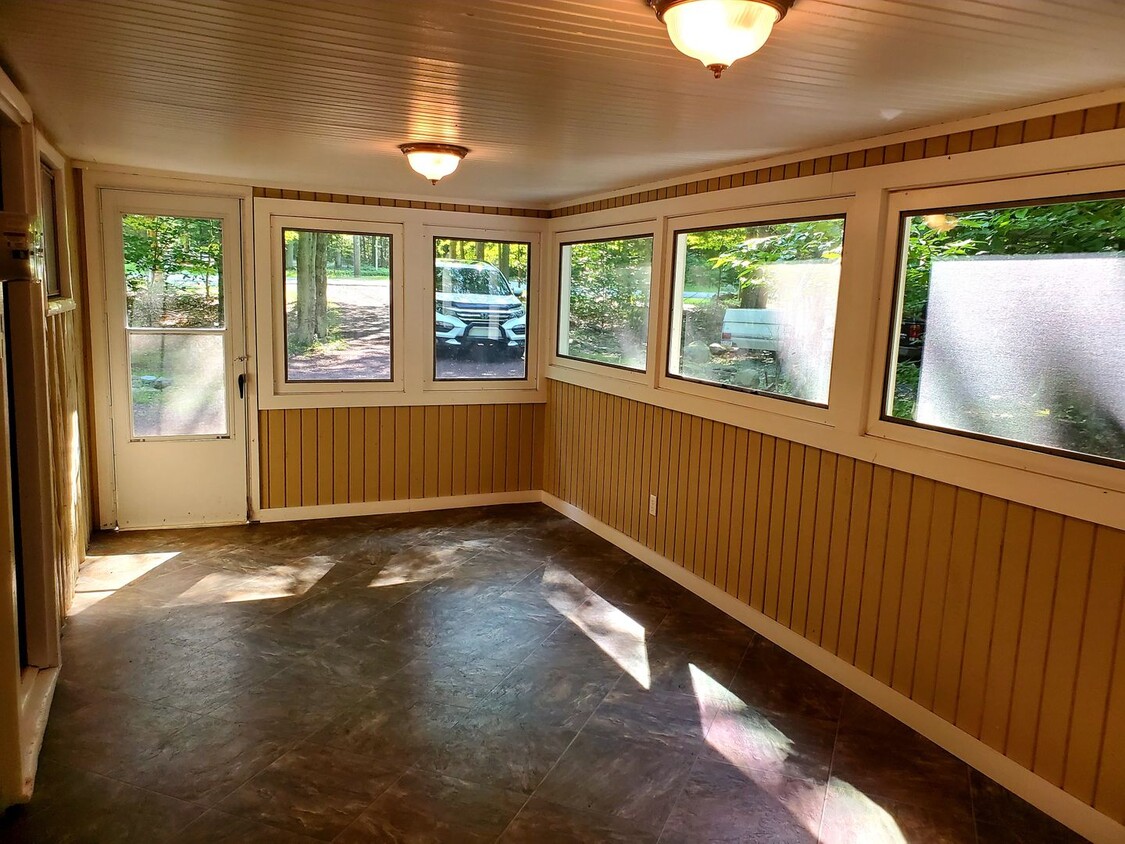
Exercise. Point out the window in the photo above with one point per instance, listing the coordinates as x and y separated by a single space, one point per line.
480 309
754 307
50 222
603 301
1009 325
337 306
174 324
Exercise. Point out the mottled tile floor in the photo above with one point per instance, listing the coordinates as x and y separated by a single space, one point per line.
475 675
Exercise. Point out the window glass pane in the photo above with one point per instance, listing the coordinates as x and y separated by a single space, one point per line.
480 309
754 307
337 306
603 307
173 271
178 384
1010 325
50 231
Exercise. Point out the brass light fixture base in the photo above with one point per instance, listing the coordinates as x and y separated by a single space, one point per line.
662 6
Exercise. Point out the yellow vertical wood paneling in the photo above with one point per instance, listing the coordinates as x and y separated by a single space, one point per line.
740 466
278 465
527 449
371 454
1095 670
460 452
802 577
294 451
356 456
325 451
972 605
719 559
763 500
951 646
444 455
341 437
388 454
540 414
1109 794
1067 618
263 460
778 500
985 579
473 443
790 532
855 561
913 580
309 457
837 553
1006 625
818 583
417 445
403 452
933 594
433 454
875 543
1031 660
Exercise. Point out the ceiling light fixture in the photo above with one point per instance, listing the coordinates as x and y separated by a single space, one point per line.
434 161
718 32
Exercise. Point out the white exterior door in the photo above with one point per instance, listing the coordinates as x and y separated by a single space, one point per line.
173 284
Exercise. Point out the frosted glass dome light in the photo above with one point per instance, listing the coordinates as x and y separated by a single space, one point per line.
434 161
719 32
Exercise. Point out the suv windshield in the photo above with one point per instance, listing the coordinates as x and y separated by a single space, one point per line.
486 280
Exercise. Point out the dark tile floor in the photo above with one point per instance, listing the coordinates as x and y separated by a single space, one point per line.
474 675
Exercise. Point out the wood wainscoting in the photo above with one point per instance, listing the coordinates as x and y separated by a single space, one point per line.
1004 620
332 456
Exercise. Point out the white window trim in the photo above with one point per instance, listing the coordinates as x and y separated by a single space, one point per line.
49 156
534 308
756 215
1064 485
1032 190
621 231
412 315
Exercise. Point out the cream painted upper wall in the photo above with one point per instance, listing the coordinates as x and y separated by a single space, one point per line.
556 99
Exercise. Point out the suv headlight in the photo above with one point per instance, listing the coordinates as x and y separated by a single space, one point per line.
517 312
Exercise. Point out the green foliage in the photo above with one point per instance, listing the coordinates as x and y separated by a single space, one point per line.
173 270
1059 229
609 287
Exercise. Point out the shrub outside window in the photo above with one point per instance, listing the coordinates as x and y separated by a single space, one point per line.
604 301
48 190
480 309
1009 325
754 307
337 306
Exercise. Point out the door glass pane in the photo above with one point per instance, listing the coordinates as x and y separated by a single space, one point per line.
173 271
480 309
337 306
178 384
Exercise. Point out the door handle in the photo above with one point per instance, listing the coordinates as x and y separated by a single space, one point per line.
242 385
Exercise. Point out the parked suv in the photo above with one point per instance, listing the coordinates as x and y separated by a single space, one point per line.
475 305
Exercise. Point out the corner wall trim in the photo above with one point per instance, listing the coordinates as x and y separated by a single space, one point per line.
401 505
1063 807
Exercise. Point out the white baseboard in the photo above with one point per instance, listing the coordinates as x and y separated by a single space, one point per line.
404 505
1065 808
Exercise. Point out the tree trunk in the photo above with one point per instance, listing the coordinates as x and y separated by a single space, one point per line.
306 292
357 255
505 258
322 286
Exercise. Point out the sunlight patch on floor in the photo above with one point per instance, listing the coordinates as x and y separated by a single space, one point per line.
113 571
617 635
282 581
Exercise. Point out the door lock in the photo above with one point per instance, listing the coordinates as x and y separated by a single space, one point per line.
242 385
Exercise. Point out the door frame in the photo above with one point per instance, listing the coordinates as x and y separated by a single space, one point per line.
95 182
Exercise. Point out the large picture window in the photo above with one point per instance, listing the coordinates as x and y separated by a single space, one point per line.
337 306
1009 325
481 302
604 301
754 307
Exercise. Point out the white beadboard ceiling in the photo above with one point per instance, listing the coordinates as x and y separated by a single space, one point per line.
556 98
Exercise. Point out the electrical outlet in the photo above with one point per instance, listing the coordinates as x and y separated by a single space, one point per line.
652 505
